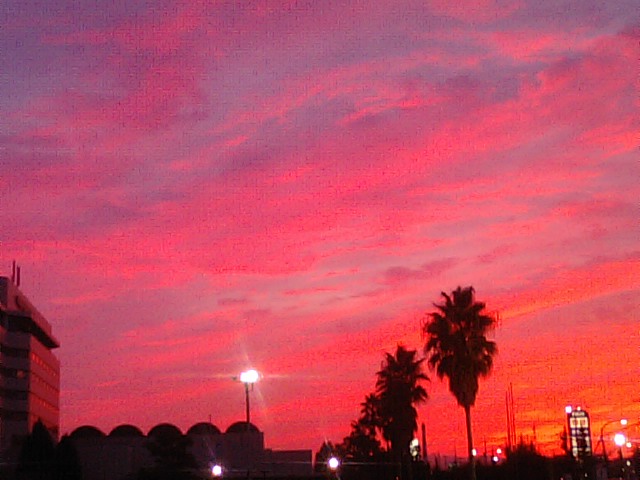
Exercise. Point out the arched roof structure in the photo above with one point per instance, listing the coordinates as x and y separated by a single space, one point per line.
126 430
87 431
204 428
239 427
164 429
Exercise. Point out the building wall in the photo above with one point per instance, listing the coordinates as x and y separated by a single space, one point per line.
29 370
280 463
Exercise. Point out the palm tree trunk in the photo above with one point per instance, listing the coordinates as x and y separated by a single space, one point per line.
472 458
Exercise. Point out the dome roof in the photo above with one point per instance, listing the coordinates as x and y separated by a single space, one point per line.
240 427
204 428
165 429
126 431
87 431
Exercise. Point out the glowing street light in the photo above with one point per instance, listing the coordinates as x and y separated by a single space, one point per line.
216 470
619 439
248 377
333 463
623 422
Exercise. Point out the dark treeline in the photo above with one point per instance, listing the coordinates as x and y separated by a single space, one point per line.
41 459
456 349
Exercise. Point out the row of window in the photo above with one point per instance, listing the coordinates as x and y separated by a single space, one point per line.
6 415
13 394
35 358
42 403
13 372
13 351
37 380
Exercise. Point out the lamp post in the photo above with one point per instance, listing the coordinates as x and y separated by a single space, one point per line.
623 422
619 439
333 464
248 377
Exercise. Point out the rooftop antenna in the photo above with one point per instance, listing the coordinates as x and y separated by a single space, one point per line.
13 272
18 276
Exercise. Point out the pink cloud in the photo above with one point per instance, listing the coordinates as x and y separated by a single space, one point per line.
222 186
485 11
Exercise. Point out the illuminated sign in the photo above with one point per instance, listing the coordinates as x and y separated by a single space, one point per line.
579 433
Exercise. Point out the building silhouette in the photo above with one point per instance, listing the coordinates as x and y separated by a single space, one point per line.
29 370
239 450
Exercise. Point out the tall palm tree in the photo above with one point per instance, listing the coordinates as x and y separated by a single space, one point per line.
398 391
457 348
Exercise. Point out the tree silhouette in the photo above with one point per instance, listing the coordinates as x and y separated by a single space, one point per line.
37 455
326 451
563 438
169 449
362 444
66 462
525 463
458 349
398 391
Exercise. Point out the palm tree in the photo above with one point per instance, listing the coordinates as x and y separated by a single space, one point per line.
398 390
369 420
458 349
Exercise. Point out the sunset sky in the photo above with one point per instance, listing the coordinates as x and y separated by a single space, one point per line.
196 187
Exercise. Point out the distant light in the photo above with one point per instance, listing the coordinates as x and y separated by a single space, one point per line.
629 445
250 376
495 459
333 463
474 452
623 422
216 471
619 439
499 451
414 448
568 409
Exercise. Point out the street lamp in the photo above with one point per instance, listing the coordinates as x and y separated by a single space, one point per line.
619 439
333 463
623 422
216 470
248 377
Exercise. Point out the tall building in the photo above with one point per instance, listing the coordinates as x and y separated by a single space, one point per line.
29 370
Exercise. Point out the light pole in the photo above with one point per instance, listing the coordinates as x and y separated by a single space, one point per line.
623 422
333 463
619 439
248 377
